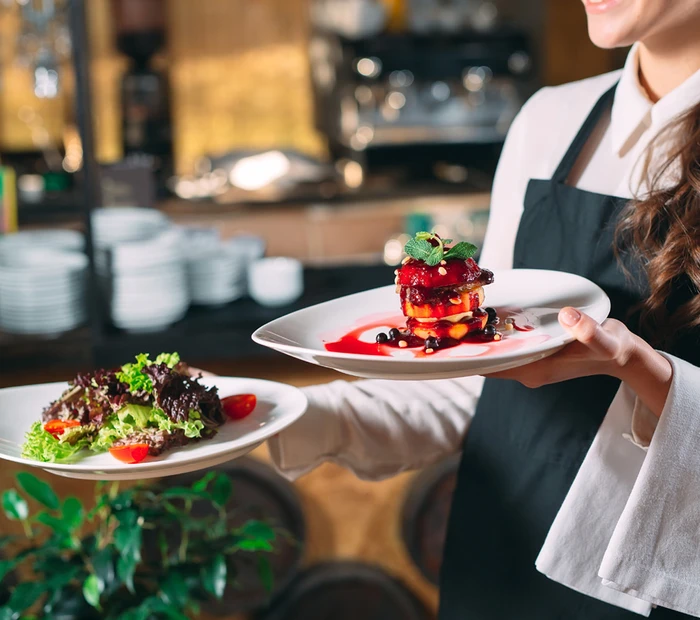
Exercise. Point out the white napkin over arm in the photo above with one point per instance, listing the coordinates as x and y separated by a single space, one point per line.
628 532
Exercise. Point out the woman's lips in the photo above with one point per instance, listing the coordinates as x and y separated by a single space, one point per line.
596 7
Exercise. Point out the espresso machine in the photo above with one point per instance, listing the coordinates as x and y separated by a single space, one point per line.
432 96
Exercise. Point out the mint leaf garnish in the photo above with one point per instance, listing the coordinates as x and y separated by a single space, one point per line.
435 256
462 250
419 249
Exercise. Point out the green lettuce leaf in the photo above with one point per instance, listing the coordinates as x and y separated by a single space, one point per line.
41 445
132 374
192 427
132 418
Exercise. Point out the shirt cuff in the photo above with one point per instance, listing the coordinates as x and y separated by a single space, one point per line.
314 438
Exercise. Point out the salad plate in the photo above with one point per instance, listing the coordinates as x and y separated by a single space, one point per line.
276 407
353 334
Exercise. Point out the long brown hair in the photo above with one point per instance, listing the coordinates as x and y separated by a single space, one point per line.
662 229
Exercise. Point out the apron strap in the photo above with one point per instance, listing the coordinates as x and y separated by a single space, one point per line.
569 159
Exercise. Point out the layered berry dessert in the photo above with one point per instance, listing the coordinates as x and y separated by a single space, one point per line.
442 296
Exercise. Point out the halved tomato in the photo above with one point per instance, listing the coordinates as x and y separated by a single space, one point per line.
56 427
133 453
239 406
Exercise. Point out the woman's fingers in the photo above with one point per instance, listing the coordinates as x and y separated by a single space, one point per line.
587 331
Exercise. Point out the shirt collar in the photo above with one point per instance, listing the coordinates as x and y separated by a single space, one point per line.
633 112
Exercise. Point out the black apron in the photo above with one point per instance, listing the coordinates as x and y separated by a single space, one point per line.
525 446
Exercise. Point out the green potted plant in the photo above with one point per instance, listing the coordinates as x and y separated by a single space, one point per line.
140 553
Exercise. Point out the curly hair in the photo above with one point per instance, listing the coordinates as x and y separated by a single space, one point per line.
662 229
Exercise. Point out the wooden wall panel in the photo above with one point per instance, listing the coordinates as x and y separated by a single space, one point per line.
570 55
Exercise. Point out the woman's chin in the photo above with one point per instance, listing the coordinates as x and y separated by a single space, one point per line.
606 34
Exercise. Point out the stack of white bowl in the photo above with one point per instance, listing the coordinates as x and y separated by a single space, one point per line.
216 269
43 276
139 258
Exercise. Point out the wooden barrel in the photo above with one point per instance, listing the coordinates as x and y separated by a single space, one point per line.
260 493
425 514
345 591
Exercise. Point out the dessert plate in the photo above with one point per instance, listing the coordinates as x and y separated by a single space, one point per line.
278 406
340 334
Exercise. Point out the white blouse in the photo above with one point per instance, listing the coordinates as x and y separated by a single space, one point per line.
380 428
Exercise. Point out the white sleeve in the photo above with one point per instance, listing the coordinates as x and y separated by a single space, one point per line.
380 428
509 187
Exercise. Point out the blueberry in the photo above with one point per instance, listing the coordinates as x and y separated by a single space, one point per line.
394 333
431 342
492 314
490 331
382 338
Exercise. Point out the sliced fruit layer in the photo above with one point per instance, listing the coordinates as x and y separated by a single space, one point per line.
452 273
455 302
446 329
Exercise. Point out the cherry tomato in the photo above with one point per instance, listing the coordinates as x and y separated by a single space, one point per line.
133 453
239 406
56 427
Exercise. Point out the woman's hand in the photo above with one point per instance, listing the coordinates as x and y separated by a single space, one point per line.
607 349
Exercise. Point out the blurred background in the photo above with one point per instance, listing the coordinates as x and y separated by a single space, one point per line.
174 174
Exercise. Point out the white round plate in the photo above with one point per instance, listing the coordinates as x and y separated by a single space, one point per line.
278 406
538 295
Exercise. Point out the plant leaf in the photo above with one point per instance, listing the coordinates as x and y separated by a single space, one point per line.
123 500
150 606
185 493
25 595
59 526
92 590
461 250
254 545
14 505
265 573
174 590
221 489
203 483
6 566
72 512
103 563
259 530
127 535
214 576
62 578
38 490
126 567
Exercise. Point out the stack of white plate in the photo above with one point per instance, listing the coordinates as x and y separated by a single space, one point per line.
216 270
42 291
116 225
141 268
70 240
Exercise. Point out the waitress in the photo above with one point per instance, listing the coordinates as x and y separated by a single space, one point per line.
599 178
